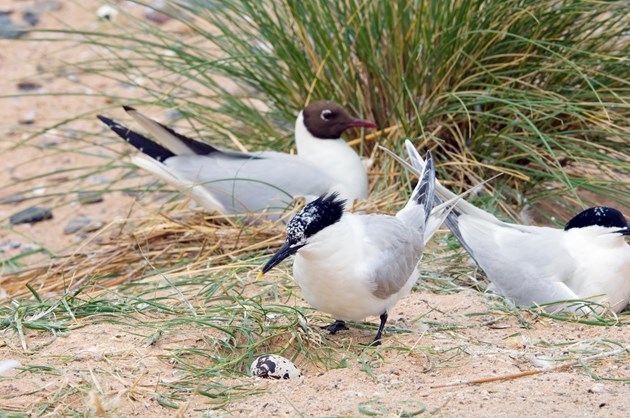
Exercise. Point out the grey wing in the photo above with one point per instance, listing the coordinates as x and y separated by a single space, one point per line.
395 250
268 180
526 265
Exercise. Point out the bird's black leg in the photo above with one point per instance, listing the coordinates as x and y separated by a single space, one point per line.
338 325
377 339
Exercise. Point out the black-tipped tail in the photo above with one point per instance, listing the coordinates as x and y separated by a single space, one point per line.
424 194
142 143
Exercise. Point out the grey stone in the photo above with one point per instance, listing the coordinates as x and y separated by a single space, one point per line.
12 199
42 6
10 29
9 245
82 224
29 86
31 215
32 247
88 198
173 115
100 179
31 18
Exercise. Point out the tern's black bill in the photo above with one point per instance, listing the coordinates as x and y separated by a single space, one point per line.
285 251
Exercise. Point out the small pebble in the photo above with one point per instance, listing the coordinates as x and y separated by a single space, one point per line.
31 18
100 179
6 246
12 199
88 198
598 388
106 12
43 6
28 118
272 366
28 86
173 115
31 215
10 29
82 224
27 248
7 365
155 16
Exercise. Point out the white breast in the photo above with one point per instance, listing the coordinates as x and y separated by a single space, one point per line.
602 265
336 279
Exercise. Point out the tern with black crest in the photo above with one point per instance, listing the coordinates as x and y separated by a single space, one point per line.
587 260
233 182
354 266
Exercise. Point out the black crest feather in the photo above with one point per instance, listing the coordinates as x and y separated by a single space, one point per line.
324 211
599 215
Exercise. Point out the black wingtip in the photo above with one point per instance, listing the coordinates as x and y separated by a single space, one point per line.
129 108
105 120
143 144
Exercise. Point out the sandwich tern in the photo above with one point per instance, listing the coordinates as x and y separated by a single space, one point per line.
352 265
588 259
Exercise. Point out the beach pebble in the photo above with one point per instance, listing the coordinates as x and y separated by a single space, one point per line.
88 198
42 6
8 245
8 28
153 12
7 365
30 248
29 86
598 388
272 366
31 215
31 18
82 224
11 199
106 12
100 179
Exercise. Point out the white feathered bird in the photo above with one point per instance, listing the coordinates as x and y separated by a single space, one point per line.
354 266
587 260
233 182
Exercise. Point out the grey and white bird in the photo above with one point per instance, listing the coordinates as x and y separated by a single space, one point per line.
232 182
587 260
354 266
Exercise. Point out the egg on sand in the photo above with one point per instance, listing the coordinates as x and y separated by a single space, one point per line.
273 366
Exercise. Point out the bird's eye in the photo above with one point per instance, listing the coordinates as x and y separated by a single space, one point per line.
326 114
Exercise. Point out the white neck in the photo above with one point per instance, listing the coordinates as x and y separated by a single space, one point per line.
335 158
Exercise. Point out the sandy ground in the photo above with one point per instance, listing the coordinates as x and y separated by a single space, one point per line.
126 373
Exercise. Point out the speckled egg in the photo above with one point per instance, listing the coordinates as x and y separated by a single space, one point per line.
272 366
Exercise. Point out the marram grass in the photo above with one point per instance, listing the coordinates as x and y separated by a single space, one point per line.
537 90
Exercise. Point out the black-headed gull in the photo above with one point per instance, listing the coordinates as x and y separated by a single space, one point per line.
233 182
